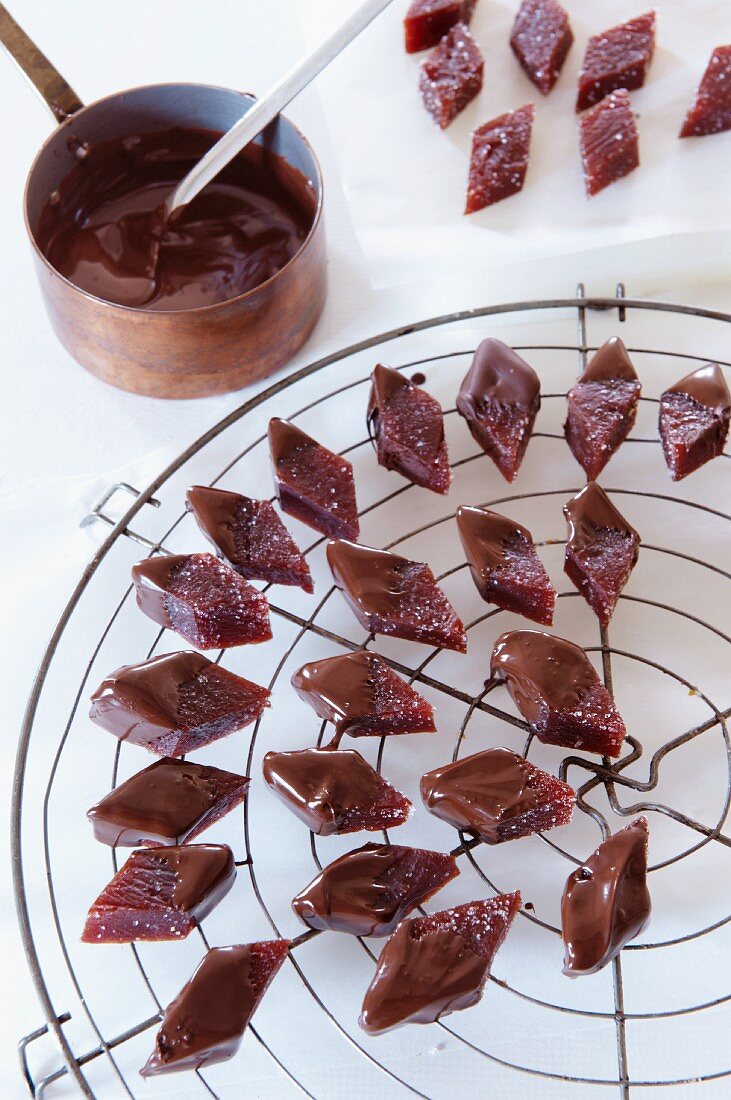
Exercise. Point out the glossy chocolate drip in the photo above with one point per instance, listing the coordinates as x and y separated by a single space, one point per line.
104 227
542 672
216 512
484 535
340 689
590 511
497 373
372 578
480 792
322 785
206 1021
152 579
367 891
203 874
142 701
606 902
421 978
163 804
610 362
285 438
708 387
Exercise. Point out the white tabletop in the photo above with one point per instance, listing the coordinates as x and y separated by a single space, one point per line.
65 436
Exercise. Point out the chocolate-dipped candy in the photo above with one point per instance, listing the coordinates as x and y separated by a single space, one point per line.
617 58
334 791
427 21
368 891
392 595
362 696
555 687
175 703
711 109
451 76
497 796
500 398
161 894
431 966
601 550
602 407
313 484
203 599
694 420
169 803
408 427
499 158
207 1020
504 564
250 536
606 902
609 142
541 39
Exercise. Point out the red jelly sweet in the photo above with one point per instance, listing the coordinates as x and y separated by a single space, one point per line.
711 111
368 891
408 426
161 894
427 21
602 407
431 966
451 77
498 796
334 791
169 803
609 142
500 398
541 39
499 161
314 485
601 550
555 687
176 703
392 595
250 536
504 564
617 58
362 696
206 1021
694 420
203 599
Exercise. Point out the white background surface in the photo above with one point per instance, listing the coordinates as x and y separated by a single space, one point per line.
65 436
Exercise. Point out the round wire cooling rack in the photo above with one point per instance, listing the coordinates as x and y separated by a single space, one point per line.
657 1019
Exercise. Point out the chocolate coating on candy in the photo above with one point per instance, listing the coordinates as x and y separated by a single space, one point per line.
314 485
602 407
695 415
610 362
606 902
435 965
334 790
591 511
504 564
392 595
168 803
707 386
161 893
249 535
206 1021
408 426
556 689
368 891
601 550
362 696
175 703
497 795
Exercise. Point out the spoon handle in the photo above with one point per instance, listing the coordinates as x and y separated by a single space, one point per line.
56 93
269 106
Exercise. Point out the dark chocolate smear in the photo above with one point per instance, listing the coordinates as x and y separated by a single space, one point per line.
484 534
610 362
542 672
499 374
590 511
708 387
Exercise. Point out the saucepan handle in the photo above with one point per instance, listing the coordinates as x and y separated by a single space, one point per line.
59 97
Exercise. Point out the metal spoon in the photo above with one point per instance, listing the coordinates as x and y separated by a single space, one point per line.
269 106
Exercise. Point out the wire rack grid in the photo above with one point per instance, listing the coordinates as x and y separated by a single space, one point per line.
536 1034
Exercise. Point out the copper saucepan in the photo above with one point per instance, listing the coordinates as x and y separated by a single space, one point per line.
182 353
